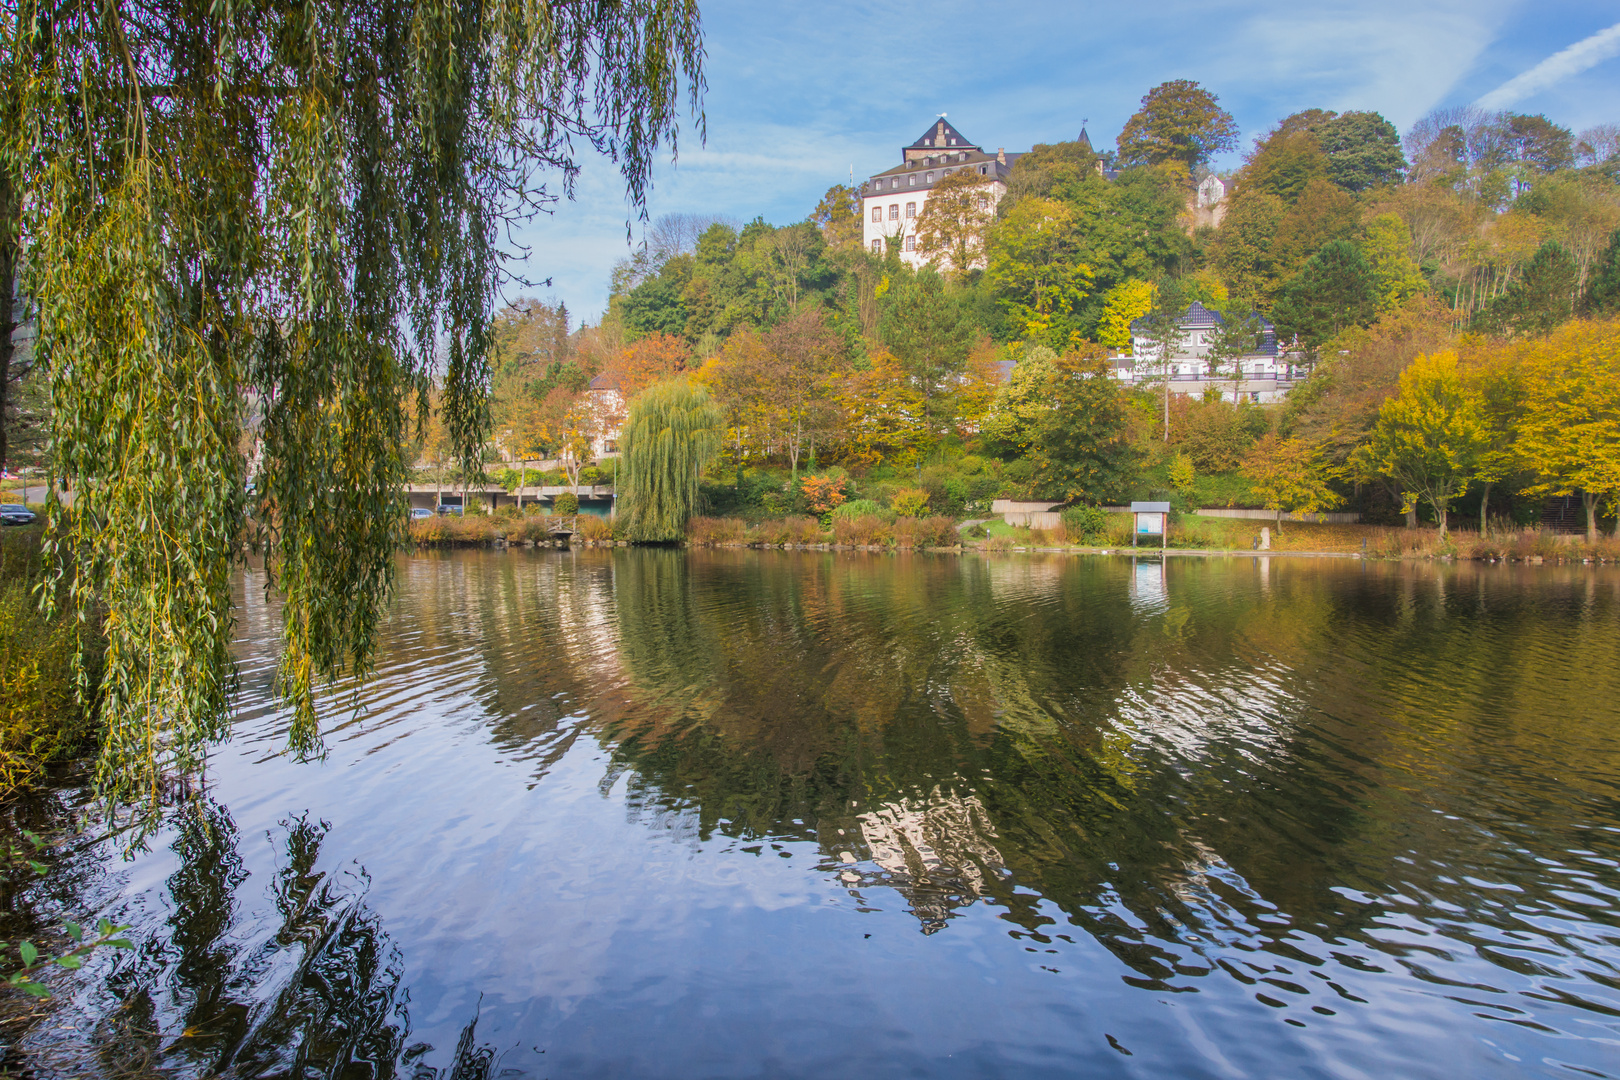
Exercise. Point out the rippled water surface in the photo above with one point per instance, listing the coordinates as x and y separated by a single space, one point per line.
680 814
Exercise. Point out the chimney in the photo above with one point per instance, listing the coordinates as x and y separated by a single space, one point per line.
1001 156
939 133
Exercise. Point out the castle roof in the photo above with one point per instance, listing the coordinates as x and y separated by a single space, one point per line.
942 136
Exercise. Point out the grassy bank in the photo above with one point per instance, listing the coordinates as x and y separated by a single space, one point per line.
41 720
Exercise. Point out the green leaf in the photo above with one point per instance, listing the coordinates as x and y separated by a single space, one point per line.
33 838
119 943
74 930
39 867
29 953
105 927
34 988
71 962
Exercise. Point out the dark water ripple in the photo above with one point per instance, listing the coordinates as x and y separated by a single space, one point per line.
642 813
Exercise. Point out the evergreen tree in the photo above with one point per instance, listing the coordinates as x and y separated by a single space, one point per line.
1542 300
1603 290
1336 288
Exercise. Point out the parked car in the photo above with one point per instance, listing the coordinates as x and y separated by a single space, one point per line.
17 514
420 512
447 509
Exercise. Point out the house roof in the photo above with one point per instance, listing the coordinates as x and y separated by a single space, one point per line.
942 135
604 381
1199 317
971 158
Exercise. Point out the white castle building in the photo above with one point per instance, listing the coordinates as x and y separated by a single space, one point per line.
892 201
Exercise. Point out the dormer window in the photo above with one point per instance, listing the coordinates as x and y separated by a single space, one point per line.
953 142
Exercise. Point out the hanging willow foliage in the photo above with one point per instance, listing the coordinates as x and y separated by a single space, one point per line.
673 432
253 234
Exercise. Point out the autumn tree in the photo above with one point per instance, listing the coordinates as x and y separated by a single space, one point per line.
955 221
1569 436
883 415
1363 150
803 353
1388 247
1125 303
644 362
1542 299
1290 476
838 216
1179 124
1012 425
1431 436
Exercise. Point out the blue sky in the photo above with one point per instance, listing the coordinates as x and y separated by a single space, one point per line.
800 93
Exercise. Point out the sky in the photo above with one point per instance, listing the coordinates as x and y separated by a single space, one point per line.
801 94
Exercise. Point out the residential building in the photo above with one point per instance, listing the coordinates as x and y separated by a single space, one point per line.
892 201
607 406
1264 375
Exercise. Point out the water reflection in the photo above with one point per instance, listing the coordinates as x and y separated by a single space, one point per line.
1251 816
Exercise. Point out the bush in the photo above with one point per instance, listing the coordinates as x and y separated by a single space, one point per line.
790 530
716 531
858 508
909 502
915 532
593 529
865 530
1083 521
566 504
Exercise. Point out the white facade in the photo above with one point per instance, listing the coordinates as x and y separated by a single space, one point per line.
892 201
1262 377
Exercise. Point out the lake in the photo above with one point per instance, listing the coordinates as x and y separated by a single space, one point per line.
662 813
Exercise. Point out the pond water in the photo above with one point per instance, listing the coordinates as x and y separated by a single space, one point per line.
688 813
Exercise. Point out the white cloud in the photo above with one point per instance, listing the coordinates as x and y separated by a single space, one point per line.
1584 54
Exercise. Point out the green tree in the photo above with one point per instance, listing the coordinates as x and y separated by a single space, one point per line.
1541 300
838 216
1013 423
1431 436
1290 476
1282 164
289 215
1034 271
673 433
930 334
1363 150
1569 435
1245 250
1235 337
1180 124
1335 289
1082 452
1603 291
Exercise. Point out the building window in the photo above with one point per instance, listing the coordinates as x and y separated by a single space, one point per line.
894 211
911 209
877 213
984 170
929 179
877 247
911 181
911 243
953 142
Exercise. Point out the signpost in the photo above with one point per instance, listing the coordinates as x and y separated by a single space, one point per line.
1152 519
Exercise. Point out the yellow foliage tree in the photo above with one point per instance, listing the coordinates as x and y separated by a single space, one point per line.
1290 475
1430 437
882 412
1570 432
1388 246
1123 305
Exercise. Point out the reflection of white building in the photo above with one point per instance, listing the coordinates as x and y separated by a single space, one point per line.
1264 375
892 201
935 851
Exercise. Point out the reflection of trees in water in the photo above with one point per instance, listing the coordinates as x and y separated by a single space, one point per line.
1176 778
210 993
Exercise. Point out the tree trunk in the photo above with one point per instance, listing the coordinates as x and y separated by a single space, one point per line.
1440 512
1484 501
523 481
1589 500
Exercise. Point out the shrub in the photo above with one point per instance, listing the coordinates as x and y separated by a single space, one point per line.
858 508
976 531
566 503
823 494
863 531
999 543
909 502
592 528
710 530
1083 521
915 532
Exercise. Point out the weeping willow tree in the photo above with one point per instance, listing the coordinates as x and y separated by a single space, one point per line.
255 234
674 430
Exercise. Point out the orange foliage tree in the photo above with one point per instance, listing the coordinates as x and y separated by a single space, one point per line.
653 358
